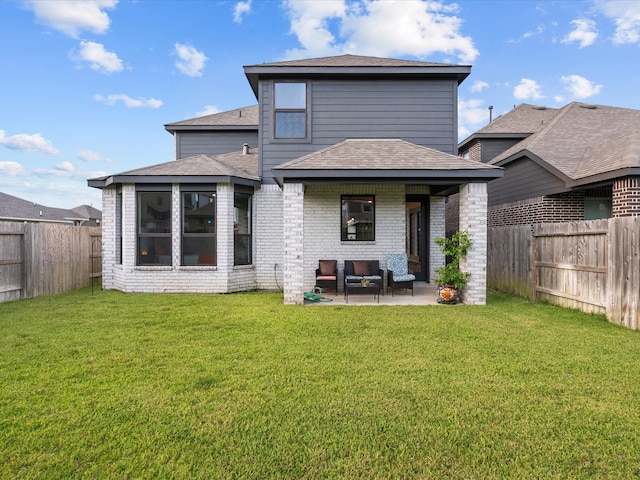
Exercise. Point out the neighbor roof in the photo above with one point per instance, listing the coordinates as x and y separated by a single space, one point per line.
237 119
16 209
583 143
234 167
384 159
353 64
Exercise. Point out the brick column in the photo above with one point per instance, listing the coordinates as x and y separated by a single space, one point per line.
109 222
224 237
293 221
473 219
436 229
626 197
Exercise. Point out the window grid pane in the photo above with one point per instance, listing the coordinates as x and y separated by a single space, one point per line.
198 228
154 228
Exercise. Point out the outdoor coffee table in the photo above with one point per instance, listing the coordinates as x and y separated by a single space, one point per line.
353 288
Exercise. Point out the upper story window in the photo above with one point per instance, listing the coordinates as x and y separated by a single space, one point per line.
290 110
358 218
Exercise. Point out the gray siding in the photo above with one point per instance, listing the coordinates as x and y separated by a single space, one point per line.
421 112
523 179
213 142
491 148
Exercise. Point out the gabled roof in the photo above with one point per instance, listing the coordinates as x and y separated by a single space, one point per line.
353 65
520 122
16 209
88 211
583 143
245 118
386 160
234 167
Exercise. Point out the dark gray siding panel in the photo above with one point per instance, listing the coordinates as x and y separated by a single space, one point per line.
523 179
492 148
421 112
213 143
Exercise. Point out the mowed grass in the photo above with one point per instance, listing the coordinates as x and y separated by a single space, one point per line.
114 385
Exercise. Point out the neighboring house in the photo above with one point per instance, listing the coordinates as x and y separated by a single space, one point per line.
344 158
14 209
93 214
578 162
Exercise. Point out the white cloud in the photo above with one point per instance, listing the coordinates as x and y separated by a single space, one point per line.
65 166
12 169
28 143
378 27
190 61
580 87
98 58
208 110
527 90
471 115
128 101
73 16
240 9
91 157
626 15
585 33
478 86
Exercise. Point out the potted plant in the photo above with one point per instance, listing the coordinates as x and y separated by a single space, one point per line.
450 278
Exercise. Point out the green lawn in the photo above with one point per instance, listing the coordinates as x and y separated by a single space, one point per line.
112 385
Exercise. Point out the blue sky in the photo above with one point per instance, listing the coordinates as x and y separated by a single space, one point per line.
88 85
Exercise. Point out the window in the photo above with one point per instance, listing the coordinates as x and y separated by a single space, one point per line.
242 229
198 228
597 208
290 110
358 218
154 228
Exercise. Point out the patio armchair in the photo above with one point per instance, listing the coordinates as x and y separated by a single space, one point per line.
398 273
327 274
356 270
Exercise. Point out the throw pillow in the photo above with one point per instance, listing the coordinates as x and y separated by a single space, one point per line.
328 267
361 268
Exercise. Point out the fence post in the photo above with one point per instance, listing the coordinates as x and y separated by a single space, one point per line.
534 269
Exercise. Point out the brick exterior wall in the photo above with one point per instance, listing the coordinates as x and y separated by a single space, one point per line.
269 238
563 207
109 222
626 197
474 151
322 229
473 219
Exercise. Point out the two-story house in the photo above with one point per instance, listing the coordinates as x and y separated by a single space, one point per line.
344 157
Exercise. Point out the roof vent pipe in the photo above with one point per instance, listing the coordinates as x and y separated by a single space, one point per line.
245 149
490 113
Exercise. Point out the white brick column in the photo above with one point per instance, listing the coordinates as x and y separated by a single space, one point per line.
293 221
436 229
224 236
473 219
109 221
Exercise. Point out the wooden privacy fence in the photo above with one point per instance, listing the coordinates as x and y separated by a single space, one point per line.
593 266
46 258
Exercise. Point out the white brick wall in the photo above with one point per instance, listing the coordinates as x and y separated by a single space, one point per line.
322 216
473 219
109 221
269 238
293 215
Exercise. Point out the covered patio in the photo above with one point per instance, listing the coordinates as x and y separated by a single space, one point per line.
424 294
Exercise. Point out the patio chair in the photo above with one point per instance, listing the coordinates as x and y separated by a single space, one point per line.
398 273
327 274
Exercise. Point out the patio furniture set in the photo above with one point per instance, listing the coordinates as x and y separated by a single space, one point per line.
366 276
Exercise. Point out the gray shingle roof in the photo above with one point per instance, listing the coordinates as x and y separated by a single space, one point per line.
239 117
352 61
581 141
18 209
205 167
385 155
